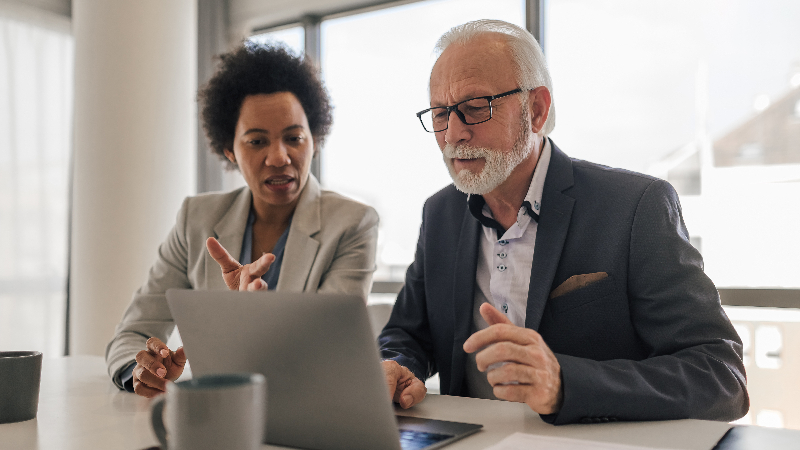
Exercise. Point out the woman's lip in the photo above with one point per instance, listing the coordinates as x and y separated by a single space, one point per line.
279 178
288 185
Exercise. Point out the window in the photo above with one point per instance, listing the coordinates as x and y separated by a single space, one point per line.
35 135
293 37
376 67
676 89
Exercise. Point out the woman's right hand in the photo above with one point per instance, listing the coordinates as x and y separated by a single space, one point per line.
238 277
155 366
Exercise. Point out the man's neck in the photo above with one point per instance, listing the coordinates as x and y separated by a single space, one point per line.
506 200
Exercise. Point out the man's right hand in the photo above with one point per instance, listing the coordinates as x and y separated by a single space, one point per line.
155 366
405 389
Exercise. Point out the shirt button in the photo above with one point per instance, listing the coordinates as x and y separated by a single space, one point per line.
502 254
501 268
505 308
503 242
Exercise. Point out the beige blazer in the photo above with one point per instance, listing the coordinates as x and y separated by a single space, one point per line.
330 249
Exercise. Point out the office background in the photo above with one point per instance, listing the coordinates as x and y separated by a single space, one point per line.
99 140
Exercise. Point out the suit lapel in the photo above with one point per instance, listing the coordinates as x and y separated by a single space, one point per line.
463 293
554 221
229 231
301 247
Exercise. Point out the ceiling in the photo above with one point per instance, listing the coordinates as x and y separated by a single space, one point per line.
246 15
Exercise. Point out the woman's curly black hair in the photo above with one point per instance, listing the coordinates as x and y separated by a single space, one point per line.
253 69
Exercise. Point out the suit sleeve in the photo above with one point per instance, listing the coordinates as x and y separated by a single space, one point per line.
148 314
694 367
406 338
353 263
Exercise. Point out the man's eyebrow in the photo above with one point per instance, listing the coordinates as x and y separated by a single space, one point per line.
468 97
256 130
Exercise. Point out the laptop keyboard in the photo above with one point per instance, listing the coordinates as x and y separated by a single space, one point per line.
417 440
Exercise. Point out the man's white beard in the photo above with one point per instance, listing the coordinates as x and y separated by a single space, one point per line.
498 164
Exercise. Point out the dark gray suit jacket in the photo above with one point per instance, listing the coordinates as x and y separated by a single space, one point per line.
649 342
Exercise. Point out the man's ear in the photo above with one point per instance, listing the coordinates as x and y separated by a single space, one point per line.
539 103
229 154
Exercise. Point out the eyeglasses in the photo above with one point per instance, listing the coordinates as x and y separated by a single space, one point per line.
471 112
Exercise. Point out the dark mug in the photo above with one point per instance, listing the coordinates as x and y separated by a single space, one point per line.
20 375
212 412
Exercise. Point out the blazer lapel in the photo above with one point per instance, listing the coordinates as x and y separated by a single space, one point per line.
552 232
229 231
301 247
463 294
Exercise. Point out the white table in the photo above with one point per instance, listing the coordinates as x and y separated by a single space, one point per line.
79 408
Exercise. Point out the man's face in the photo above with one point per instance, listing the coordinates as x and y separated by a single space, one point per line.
481 157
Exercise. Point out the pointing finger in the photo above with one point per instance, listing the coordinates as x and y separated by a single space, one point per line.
221 256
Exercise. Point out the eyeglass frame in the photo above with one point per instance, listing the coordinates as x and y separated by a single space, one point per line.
460 115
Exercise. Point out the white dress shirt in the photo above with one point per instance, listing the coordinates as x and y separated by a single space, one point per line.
504 267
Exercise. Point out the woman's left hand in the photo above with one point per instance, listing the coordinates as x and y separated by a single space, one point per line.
237 276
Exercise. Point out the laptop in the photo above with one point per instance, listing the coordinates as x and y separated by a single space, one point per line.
325 384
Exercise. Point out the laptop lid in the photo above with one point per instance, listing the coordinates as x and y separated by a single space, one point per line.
325 385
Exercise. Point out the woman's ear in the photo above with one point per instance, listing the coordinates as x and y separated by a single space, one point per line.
229 154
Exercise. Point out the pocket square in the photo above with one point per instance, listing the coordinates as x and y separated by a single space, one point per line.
576 282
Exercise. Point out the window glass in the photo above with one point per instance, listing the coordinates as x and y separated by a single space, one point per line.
35 135
292 37
703 93
376 67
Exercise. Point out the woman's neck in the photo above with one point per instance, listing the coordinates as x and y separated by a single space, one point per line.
273 216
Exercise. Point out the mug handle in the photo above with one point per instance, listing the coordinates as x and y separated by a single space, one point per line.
157 420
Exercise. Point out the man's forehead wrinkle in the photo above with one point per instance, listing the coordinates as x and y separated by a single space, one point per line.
469 70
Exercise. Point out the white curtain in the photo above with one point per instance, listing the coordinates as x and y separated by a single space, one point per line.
36 85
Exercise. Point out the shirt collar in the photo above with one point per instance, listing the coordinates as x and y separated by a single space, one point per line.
533 199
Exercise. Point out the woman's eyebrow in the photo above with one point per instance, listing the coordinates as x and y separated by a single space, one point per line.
256 130
292 127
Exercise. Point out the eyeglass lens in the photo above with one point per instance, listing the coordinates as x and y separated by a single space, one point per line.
472 112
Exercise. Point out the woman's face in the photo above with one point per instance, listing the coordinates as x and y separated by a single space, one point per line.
273 148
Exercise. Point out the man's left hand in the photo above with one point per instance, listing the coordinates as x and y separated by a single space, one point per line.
521 367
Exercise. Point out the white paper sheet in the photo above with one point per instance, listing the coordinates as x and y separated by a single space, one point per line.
520 441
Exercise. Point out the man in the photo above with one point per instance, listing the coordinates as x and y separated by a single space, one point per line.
566 285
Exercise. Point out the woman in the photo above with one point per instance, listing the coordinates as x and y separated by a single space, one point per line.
266 113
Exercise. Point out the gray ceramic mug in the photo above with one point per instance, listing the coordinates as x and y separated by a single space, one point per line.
225 411
20 376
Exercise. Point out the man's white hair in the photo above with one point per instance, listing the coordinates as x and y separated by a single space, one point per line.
527 54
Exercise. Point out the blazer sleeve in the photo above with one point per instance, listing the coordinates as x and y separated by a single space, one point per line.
407 337
694 367
353 262
148 314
